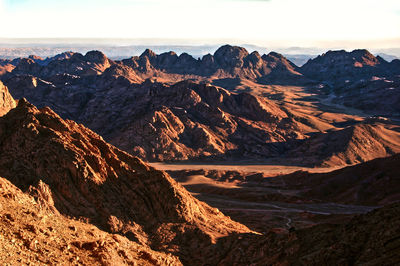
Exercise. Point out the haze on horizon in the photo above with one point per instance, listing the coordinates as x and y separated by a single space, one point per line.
341 23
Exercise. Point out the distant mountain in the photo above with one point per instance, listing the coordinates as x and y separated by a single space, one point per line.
339 67
227 62
92 63
163 107
299 59
387 57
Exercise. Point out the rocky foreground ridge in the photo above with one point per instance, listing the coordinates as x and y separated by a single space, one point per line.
72 171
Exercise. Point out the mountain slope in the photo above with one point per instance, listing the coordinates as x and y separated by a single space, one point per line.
368 239
375 182
92 180
354 144
157 121
32 233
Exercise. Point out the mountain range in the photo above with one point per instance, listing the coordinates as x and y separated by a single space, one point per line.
227 105
68 196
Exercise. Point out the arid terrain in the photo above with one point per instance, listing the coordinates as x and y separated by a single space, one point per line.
235 158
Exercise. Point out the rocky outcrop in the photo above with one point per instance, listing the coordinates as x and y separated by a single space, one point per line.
6 100
76 173
32 233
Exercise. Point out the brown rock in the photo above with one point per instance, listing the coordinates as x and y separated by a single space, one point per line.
6 100
91 180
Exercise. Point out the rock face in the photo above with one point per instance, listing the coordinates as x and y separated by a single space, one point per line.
74 172
354 144
188 120
358 80
6 100
33 233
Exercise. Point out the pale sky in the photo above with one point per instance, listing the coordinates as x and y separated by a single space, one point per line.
293 22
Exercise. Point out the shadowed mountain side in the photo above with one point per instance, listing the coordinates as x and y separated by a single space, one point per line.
374 182
377 96
338 67
368 239
87 178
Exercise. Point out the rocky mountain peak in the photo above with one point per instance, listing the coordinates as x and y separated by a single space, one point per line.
275 55
167 59
96 57
230 56
149 53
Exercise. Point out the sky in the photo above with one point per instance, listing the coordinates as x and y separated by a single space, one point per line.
347 23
